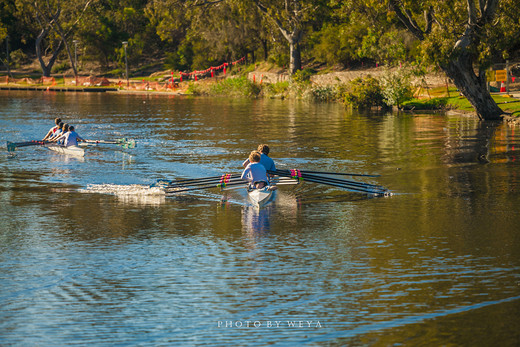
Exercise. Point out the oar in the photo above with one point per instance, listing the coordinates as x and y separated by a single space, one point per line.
352 185
195 184
349 185
196 180
11 146
129 143
180 190
341 181
305 176
337 173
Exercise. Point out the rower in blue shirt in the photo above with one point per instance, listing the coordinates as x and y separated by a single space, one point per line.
265 160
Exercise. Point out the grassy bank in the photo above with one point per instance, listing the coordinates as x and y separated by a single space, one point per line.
442 99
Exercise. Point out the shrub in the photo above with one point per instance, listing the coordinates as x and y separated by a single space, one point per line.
237 86
59 68
324 93
303 76
396 88
278 89
364 93
19 58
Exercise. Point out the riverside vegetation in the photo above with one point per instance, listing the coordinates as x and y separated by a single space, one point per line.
402 89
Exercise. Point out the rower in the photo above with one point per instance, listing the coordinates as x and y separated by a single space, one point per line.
59 137
53 130
255 172
70 138
265 160
60 131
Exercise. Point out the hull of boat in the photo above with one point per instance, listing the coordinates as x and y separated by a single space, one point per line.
70 150
260 197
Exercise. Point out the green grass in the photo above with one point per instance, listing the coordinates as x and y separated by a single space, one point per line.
441 101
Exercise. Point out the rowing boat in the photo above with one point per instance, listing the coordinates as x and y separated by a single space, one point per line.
260 196
69 150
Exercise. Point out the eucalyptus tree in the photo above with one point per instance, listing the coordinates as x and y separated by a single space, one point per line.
3 37
292 17
57 21
108 23
459 36
207 32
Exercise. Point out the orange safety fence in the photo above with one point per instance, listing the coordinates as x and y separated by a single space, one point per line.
209 72
88 81
26 80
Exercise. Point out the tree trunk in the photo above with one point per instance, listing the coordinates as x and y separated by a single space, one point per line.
295 62
266 49
473 87
46 68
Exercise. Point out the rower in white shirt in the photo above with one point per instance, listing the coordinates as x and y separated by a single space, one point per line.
53 130
58 133
70 138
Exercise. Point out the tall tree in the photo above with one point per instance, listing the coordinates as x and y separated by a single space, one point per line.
57 21
454 34
291 18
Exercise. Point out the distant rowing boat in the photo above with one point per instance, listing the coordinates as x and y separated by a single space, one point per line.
69 150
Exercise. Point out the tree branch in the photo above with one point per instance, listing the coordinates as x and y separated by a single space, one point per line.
279 24
408 22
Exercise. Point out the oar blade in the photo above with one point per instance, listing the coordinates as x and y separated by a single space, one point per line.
11 147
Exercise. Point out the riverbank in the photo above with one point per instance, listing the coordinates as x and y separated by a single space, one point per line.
431 91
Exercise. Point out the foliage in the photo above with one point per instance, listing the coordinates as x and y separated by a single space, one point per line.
19 58
61 67
364 93
278 89
303 76
396 87
326 93
235 86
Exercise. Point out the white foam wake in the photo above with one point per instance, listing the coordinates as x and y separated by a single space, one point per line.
132 193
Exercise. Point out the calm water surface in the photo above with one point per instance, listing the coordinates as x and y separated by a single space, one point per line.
91 254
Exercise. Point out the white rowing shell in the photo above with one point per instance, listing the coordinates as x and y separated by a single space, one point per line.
260 197
70 150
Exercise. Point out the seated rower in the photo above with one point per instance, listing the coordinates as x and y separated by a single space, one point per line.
70 138
265 160
255 172
64 128
53 130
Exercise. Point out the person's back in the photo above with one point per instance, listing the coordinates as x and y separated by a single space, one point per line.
71 138
255 172
53 130
267 162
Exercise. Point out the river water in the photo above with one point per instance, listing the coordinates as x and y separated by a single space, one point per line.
92 253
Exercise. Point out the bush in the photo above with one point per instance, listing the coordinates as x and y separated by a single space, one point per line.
364 93
19 58
324 93
303 76
59 68
237 86
278 89
397 88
